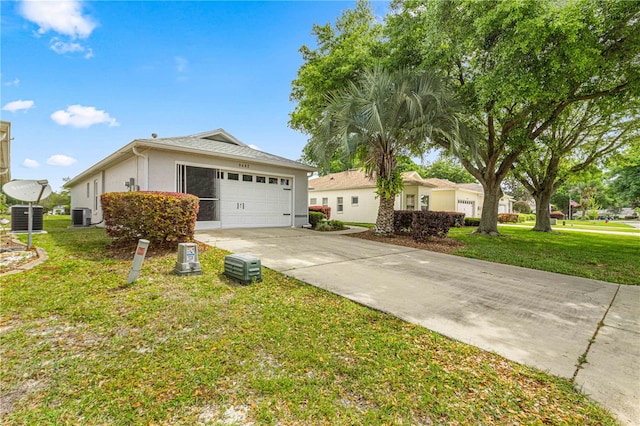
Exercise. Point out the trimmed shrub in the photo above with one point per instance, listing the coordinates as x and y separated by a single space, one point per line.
428 224
421 224
315 218
402 221
471 221
163 218
457 219
325 210
556 215
508 217
336 225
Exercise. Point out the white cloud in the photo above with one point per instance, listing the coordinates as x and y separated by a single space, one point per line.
64 17
29 163
82 116
181 64
18 105
60 160
15 82
62 47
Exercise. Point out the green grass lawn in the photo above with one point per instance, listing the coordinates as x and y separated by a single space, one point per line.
596 225
79 348
612 258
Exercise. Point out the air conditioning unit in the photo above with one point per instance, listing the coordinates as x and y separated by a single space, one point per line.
81 216
243 267
20 218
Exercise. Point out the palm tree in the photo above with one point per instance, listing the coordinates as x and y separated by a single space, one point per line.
382 115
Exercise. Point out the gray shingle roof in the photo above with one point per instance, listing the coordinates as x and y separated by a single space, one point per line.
224 149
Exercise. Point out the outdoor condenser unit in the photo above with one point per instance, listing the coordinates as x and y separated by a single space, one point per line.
81 217
20 218
243 267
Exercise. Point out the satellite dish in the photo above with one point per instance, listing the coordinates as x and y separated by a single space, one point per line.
27 190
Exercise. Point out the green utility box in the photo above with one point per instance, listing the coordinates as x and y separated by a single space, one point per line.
243 267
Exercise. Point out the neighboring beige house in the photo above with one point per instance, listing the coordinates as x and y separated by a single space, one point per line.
5 152
352 196
238 186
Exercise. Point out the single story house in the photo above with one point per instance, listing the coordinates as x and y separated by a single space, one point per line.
352 196
238 186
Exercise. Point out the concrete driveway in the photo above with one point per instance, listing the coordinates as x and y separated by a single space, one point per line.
545 320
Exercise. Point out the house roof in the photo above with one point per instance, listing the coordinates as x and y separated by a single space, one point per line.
216 143
343 180
355 178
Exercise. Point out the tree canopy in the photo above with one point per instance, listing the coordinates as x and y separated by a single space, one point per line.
381 116
517 66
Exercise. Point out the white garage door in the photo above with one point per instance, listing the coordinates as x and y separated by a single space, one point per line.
254 200
466 207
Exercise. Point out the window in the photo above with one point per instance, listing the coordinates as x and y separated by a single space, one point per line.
284 181
247 178
261 179
313 201
340 204
424 201
219 174
273 181
325 201
411 202
88 189
233 176
354 201
95 195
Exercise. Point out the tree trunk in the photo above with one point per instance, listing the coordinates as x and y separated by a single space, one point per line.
489 220
384 222
543 222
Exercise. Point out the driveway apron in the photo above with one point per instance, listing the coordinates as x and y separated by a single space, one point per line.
545 320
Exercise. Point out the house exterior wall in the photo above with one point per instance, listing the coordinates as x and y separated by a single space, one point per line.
366 211
162 175
155 170
442 200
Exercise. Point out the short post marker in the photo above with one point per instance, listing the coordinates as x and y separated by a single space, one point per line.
141 252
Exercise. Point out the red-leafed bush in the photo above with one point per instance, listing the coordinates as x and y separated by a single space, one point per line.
163 218
428 224
325 210
556 215
402 221
508 217
423 224
456 219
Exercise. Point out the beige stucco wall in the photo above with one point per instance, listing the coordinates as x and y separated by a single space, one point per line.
365 211
162 175
442 200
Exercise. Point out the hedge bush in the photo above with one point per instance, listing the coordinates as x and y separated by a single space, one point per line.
315 218
471 221
325 210
163 218
402 221
428 224
457 219
423 224
556 215
508 217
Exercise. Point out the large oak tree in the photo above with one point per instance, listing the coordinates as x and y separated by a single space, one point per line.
517 66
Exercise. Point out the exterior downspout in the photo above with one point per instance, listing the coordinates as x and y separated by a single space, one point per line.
146 169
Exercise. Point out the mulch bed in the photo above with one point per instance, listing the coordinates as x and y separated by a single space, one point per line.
440 245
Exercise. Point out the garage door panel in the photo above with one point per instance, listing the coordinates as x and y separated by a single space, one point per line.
254 203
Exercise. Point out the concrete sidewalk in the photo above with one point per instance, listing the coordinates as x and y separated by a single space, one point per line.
545 320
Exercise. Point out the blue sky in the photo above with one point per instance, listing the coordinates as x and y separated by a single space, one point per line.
81 79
